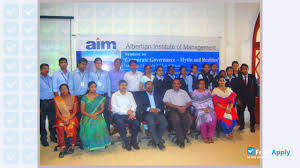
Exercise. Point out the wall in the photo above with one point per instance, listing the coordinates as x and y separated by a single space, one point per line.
233 22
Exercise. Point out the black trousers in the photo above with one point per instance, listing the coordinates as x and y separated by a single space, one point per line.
107 114
181 122
241 108
134 125
48 110
156 133
78 115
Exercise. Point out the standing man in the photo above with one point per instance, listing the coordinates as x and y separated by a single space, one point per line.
178 101
236 70
133 78
153 108
47 108
78 85
123 108
116 75
247 91
102 80
60 77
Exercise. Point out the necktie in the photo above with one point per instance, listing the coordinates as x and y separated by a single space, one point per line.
245 79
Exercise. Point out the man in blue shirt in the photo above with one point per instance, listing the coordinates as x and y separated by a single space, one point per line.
116 75
46 106
61 76
102 80
78 85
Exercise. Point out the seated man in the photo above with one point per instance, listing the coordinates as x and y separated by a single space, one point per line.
123 107
153 108
178 101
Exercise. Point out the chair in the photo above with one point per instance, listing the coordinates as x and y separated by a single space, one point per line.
147 133
172 133
194 133
118 139
68 144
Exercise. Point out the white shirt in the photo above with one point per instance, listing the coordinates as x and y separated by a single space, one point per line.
120 103
133 80
178 98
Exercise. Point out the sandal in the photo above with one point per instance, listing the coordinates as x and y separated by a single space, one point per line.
228 136
61 155
211 140
70 151
206 140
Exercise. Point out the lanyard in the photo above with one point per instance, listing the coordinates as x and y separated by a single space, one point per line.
98 75
46 82
82 76
62 74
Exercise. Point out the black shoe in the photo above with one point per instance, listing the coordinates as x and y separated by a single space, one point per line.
252 129
127 147
241 128
135 146
54 139
181 145
61 155
161 146
45 142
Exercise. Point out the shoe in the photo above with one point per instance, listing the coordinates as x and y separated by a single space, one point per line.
241 128
70 151
54 139
161 146
252 129
128 147
206 140
181 145
61 155
45 142
135 146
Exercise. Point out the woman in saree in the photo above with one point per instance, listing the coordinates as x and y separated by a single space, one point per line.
93 132
66 107
223 98
206 117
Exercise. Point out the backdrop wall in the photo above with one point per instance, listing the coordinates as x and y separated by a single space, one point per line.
233 22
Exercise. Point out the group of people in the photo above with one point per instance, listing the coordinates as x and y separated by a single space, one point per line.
83 105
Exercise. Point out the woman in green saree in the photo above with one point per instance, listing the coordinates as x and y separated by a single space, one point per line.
93 132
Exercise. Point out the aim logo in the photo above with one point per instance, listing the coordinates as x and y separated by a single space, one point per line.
98 45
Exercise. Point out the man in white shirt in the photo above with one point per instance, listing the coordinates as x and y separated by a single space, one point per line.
133 78
123 107
178 101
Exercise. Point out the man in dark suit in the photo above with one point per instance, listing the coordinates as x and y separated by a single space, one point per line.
153 108
247 90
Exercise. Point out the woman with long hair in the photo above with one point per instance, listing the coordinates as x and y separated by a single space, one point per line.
146 77
224 98
169 77
93 130
183 79
158 83
206 116
66 107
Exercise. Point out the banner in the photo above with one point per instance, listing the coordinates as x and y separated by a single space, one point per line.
152 50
